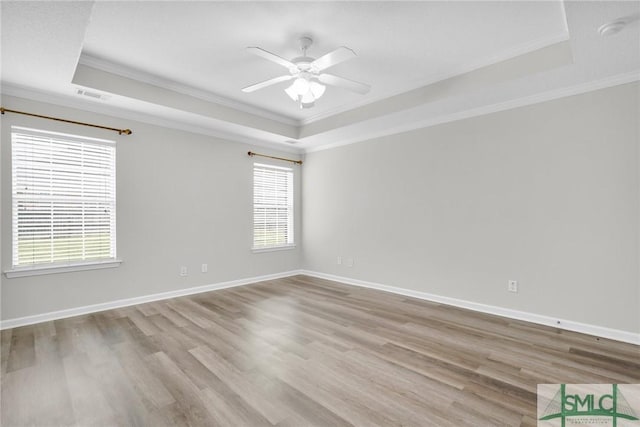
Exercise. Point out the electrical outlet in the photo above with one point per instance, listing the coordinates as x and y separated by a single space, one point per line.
339 260
349 262
205 268
183 271
512 286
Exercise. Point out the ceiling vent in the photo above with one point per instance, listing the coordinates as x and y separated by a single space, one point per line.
94 95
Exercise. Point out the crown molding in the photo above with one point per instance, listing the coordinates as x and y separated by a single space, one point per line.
564 92
99 107
144 77
463 69
128 72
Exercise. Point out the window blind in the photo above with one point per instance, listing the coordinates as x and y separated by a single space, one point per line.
272 206
63 198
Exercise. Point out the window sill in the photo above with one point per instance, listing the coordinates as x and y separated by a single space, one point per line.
60 268
273 249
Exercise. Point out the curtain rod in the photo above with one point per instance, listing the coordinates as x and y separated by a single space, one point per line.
120 131
298 162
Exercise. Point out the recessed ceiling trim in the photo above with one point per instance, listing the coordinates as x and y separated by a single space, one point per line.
131 73
227 118
547 58
100 108
538 98
503 56
74 102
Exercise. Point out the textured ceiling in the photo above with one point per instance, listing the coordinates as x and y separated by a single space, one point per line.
400 45
183 64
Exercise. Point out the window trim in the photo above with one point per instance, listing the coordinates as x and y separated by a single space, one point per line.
41 269
71 265
273 248
278 247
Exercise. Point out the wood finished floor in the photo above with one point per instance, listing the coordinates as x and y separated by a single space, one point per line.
294 352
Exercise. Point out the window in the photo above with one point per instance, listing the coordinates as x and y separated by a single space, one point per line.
64 199
272 207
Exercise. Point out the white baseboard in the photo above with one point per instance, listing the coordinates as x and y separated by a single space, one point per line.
570 325
87 309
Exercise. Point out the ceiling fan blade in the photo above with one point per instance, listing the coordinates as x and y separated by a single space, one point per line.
351 85
337 56
267 83
272 57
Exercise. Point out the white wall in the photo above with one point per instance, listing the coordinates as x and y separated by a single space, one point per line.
546 194
182 199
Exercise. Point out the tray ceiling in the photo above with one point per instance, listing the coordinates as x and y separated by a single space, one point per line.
426 61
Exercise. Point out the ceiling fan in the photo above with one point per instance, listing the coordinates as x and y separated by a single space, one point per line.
307 74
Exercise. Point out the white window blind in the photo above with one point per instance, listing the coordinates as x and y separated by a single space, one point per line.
272 206
64 198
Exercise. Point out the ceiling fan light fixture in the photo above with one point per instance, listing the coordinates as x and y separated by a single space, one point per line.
309 81
307 98
301 85
317 89
305 92
307 104
292 93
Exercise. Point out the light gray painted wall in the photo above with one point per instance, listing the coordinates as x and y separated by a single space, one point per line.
182 199
546 194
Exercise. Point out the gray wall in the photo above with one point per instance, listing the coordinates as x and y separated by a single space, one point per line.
182 199
546 194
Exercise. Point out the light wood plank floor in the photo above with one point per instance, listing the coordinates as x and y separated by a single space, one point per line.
294 352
